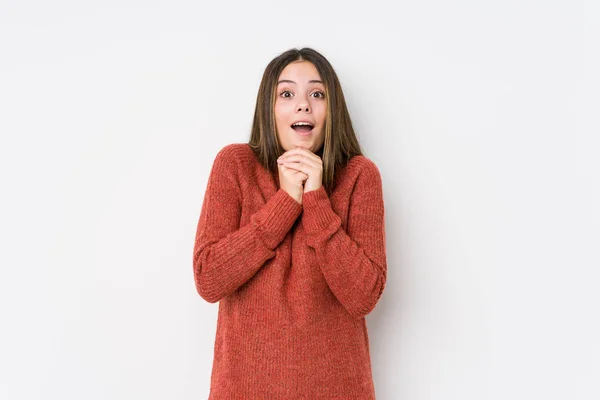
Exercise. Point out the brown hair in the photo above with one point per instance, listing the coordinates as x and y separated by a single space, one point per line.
340 143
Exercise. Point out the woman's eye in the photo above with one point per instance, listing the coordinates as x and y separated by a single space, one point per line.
284 92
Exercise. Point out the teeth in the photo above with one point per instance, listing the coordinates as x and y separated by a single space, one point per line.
302 123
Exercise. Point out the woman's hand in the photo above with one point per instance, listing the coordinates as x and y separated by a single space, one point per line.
307 162
291 181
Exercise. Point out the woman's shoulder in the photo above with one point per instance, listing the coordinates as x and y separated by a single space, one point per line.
235 150
239 163
359 172
361 164
236 155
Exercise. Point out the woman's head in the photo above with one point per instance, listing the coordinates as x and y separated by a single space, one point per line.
300 97
301 85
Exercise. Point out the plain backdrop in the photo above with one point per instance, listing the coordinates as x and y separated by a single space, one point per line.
481 116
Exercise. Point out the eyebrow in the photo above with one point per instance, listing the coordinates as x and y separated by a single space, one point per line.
289 81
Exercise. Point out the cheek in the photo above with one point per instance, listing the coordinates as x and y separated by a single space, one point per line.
280 114
320 110
278 121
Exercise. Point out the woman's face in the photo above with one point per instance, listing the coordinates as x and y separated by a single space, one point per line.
300 97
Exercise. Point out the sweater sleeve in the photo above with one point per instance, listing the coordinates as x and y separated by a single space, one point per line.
225 254
353 262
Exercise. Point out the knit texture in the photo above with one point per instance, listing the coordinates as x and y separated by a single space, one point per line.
294 282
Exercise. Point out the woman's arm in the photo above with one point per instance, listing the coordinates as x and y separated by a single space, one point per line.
353 261
225 255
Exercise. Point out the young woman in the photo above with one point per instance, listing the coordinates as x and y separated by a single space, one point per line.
291 243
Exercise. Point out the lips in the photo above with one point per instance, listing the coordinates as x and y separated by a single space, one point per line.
303 122
302 129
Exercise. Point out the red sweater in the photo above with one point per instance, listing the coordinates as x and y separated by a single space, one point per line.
293 281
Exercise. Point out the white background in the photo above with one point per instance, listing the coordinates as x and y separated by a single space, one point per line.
482 117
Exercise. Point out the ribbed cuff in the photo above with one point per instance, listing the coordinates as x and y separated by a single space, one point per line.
318 216
274 220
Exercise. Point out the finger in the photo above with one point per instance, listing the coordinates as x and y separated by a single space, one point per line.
295 173
299 166
300 158
301 175
301 151
293 167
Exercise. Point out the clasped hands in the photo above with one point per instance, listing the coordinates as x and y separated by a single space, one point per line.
307 167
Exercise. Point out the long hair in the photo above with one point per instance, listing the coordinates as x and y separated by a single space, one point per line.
340 144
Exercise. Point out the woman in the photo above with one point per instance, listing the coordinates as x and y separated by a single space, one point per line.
291 243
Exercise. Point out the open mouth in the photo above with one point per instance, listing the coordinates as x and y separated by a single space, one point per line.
302 127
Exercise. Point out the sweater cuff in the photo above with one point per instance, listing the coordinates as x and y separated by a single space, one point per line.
274 220
318 217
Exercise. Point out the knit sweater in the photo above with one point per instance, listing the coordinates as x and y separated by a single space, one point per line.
294 281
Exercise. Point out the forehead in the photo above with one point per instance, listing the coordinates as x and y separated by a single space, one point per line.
300 72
